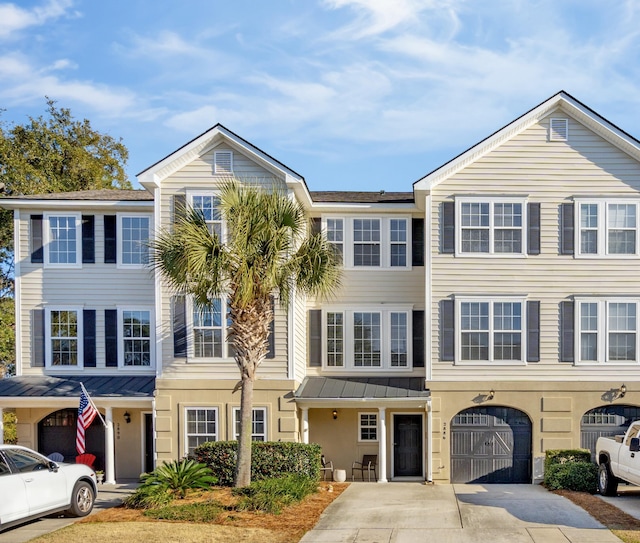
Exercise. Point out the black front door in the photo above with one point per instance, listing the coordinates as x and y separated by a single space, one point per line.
407 445
148 443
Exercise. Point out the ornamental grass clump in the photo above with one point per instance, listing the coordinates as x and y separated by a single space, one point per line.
272 495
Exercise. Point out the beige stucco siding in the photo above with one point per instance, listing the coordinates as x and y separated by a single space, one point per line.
550 173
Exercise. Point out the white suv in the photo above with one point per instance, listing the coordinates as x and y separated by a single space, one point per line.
32 486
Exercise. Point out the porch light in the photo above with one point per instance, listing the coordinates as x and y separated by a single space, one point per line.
491 394
127 417
335 414
622 391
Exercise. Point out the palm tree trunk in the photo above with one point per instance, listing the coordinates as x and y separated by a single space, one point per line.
243 468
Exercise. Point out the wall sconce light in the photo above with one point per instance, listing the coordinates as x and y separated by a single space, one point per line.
127 417
622 391
491 394
335 414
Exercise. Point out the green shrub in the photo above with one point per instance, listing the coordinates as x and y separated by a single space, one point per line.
191 512
579 476
562 456
149 497
272 495
268 460
170 480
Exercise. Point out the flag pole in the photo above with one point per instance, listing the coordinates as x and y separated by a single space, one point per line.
94 405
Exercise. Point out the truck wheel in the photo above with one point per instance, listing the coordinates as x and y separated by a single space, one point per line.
607 482
82 500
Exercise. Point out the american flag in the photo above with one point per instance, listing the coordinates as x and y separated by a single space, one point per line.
86 413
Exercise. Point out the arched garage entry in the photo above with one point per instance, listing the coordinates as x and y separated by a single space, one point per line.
491 445
57 433
607 420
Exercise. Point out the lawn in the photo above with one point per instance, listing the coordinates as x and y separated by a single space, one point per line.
220 522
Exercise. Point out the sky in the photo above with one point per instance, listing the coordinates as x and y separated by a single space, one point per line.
351 94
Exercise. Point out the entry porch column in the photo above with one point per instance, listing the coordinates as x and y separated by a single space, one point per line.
109 445
382 446
305 424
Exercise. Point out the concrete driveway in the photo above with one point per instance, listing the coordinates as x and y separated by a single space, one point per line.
108 496
415 513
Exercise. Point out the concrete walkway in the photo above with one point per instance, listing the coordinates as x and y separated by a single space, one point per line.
416 513
108 496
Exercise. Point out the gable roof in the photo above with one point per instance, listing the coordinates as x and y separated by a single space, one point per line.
562 100
380 197
114 195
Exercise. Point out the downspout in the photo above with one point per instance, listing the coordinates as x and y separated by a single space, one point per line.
17 285
429 441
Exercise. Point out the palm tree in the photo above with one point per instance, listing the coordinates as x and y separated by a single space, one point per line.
267 251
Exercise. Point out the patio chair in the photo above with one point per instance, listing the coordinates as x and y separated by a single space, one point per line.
86 458
326 467
368 465
56 457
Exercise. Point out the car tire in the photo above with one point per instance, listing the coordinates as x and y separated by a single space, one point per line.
82 499
607 482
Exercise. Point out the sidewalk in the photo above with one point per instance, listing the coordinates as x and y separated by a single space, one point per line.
416 513
108 496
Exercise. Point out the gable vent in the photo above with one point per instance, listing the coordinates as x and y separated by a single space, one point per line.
223 162
559 130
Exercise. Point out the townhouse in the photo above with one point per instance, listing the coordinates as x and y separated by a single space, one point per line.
485 316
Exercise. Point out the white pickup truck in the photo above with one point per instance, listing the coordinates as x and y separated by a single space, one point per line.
618 459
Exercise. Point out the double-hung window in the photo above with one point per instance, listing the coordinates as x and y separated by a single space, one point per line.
208 205
209 327
258 423
371 338
133 240
201 427
367 427
491 226
490 330
62 240
137 338
607 228
607 330
370 242
64 327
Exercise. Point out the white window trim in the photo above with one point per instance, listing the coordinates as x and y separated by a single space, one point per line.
360 440
191 357
385 240
385 339
47 338
490 300
491 200
212 193
603 331
46 235
121 339
236 414
192 407
603 229
215 162
120 238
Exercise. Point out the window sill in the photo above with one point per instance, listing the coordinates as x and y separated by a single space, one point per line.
490 363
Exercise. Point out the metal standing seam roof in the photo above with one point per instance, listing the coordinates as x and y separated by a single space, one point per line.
69 386
316 388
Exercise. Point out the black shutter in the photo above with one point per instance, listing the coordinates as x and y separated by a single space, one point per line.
533 331
179 207
179 326
89 340
37 338
88 239
37 250
418 339
271 352
566 229
533 231
316 225
110 239
417 242
111 337
315 337
448 229
567 332
447 331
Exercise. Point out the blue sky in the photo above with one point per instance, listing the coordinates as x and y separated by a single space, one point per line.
351 94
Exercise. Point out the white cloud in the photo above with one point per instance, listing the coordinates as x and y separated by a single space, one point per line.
14 18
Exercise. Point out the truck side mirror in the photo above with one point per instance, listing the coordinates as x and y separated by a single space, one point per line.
634 446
